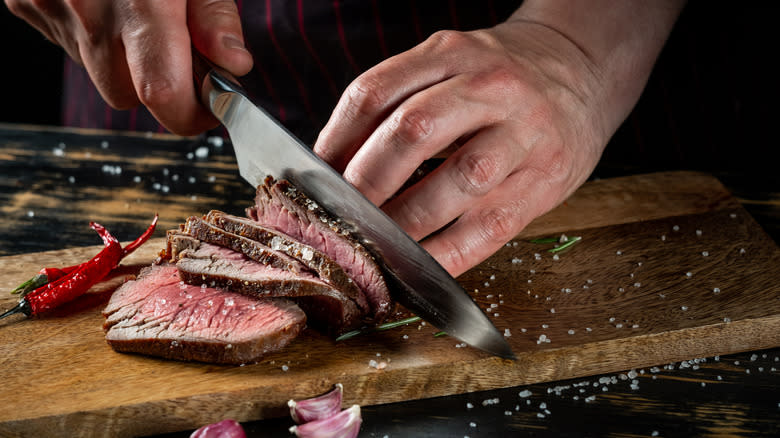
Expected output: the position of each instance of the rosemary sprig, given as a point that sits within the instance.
(565, 242)
(570, 242)
(379, 328)
(546, 240)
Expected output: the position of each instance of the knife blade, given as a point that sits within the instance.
(264, 147)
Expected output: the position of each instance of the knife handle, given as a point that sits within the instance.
(212, 80)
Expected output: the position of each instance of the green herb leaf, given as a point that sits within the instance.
(570, 242)
(30, 285)
(546, 240)
(379, 328)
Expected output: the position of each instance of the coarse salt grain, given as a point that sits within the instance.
(525, 393)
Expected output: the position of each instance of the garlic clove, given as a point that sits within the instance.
(223, 429)
(345, 424)
(317, 408)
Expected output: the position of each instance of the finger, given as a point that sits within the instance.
(493, 221)
(157, 43)
(461, 181)
(215, 29)
(38, 18)
(424, 125)
(102, 53)
(373, 95)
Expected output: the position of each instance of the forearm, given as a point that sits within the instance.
(620, 39)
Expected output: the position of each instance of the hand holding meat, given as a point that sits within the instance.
(529, 106)
(139, 51)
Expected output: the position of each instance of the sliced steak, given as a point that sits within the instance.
(217, 266)
(253, 249)
(159, 315)
(324, 266)
(282, 207)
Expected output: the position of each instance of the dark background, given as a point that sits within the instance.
(710, 104)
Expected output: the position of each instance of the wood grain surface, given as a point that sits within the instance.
(670, 267)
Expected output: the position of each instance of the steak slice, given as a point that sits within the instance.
(217, 266)
(282, 207)
(324, 266)
(253, 249)
(159, 315)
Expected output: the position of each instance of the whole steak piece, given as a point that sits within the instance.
(280, 206)
(159, 315)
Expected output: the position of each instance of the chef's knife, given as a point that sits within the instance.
(264, 147)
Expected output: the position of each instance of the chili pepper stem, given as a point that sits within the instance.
(22, 307)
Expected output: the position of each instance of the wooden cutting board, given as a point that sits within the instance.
(670, 267)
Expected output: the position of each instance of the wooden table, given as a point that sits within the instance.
(53, 180)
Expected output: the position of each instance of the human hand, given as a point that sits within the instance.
(140, 51)
(529, 106)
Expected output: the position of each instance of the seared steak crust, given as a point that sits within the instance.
(325, 268)
(282, 207)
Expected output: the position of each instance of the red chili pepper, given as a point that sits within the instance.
(79, 281)
(69, 283)
(130, 247)
(48, 275)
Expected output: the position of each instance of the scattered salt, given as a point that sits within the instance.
(30, 213)
(285, 368)
(525, 393)
(469, 406)
(202, 152)
(683, 308)
(215, 140)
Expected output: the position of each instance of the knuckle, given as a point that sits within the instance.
(454, 254)
(156, 92)
(415, 219)
(364, 97)
(476, 172)
(445, 40)
(499, 223)
(412, 126)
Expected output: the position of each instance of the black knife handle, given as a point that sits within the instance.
(209, 77)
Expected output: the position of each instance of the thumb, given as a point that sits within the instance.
(215, 29)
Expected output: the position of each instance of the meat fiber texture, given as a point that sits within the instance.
(159, 315)
(282, 207)
(288, 256)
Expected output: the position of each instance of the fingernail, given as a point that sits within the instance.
(231, 41)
